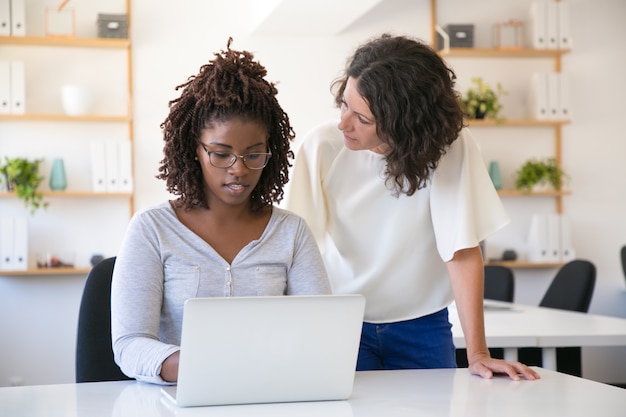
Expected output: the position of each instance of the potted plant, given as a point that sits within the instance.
(22, 176)
(481, 101)
(539, 173)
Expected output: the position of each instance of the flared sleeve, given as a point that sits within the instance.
(465, 206)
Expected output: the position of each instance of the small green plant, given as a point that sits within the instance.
(539, 172)
(481, 101)
(22, 176)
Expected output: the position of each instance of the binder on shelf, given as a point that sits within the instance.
(98, 167)
(5, 17)
(20, 243)
(6, 243)
(125, 166)
(538, 243)
(568, 253)
(18, 88)
(564, 29)
(537, 25)
(554, 93)
(5, 87)
(564, 97)
(554, 238)
(552, 21)
(18, 17)
(538, 100)
(111, 160)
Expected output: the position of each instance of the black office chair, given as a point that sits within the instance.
(500, 286)
(571, 289)
(623, 257)
(94, 353)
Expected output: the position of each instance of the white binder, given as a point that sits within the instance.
(98, 167)
(552, 21)
(564, 25)
(538, 243)
(538, 99)
(568, 253)
(6, 243)
(111, 160)
(18, 17)
(5, 17)
(564, 97)
(554, 238)
(5, 87)
(18, 88)
(536, 33)
(20, 243)
(554, 96)
(125, 166)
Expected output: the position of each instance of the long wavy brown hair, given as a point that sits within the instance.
(410, 92)
(232, 85)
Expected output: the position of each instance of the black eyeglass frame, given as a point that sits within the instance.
(233, 158)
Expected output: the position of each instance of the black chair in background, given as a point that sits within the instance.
(500, 286)
(571, 289)
(94, 353)
(623, 258)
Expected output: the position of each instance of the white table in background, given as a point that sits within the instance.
(510, 326)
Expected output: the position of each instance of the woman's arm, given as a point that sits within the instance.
(466, 272)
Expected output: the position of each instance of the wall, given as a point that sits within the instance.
(38, 315)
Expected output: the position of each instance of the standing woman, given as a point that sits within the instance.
(398, 198)
(226, 157)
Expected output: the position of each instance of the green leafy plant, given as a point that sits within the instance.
(22, 176)
(482, 101)
(540, 172)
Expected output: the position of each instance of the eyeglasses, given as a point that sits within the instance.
(227, 159)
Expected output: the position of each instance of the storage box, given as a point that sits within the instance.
(112, 26)
(461, 36)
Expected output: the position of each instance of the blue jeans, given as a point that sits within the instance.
(424, 342)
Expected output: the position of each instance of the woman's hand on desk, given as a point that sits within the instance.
(485, 366)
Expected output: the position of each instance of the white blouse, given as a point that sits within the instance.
(392, 249)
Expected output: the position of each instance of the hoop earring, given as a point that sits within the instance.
(195, 158)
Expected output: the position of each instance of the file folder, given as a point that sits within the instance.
(18, 88)
(125, 166)
(537, 30)
(18, 17)
(554, 93)
(6, 243)
(20, 243)
(564, 25)
(111, 160)
(5, 17)
(538, 240)
(554, 238)
(538, 100)
(98, 167)
(564, 97)
(552, 19)
(5, 87)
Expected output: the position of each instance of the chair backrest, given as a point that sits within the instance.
(499, 283)
(94, 353)
(572, 287)
(623, 257)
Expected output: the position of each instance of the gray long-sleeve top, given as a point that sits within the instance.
(161, 263)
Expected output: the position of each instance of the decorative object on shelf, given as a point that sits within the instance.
(76, 99)
(112, 26)
(55, 260)
(461, 36)
(494, 174)
(509, 34)
(482, 101)
(540, 174)
(58, 180)
(509, 255)
(22, 176)
(61, 22)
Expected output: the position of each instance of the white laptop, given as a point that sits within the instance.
(245, 350)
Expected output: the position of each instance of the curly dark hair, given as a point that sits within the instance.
(232, 85)
(410, 91)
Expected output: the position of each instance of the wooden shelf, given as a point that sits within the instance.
(503, 53)
(525, 264)
(71, 194)
(42, 117)
(524, 193)
(47, 271)
(516, 122)
(47, 41)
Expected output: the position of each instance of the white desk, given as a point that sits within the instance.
(433, 392)
(510, 326)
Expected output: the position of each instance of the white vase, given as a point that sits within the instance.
(77, 99)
